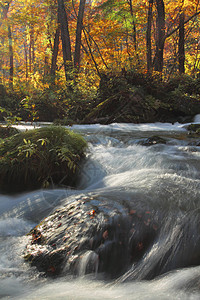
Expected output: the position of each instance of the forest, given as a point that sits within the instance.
(55, 55)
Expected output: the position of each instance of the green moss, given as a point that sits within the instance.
(40, 158)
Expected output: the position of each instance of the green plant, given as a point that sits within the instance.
(30, 108)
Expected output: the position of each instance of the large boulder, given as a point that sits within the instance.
(44, 157)
(91, 234)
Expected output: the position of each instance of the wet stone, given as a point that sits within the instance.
(111, 236)
(154, 140)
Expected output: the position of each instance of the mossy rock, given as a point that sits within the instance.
(194, 132)
(154, 140)
(44, 157)
(194, 128)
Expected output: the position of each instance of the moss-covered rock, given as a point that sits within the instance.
(40, 158)
(194, 134)
(154, 140)
(195, 128)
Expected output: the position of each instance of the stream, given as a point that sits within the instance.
(120, 166)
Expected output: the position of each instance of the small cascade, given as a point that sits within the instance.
(88, 263)
(197, 119)
(135, 217)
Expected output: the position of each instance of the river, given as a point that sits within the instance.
(118, 165)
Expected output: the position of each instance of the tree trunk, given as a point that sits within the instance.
(11, 57)
(46, 67)
(65, 37)
(160, 38)
(148, 37)
(2, 40)
(133, 24)
(79, 29)
(181, 44)
(30, 60)
(5, 8)
(55, 55)
(31, 50)
(26, 59)
(91, 54)
(130, 2)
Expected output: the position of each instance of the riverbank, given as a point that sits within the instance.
(126, 97)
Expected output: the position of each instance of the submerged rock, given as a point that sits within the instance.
(97, 234)
(154, 140)
(90, 235)
(177, 246)
(194, 129)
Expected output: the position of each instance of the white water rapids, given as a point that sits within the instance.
(164, 175)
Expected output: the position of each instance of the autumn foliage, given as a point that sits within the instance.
(70, 43)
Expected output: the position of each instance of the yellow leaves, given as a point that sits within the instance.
(28, 12)
(174, 7)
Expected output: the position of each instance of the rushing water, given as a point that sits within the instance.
(164, 176)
